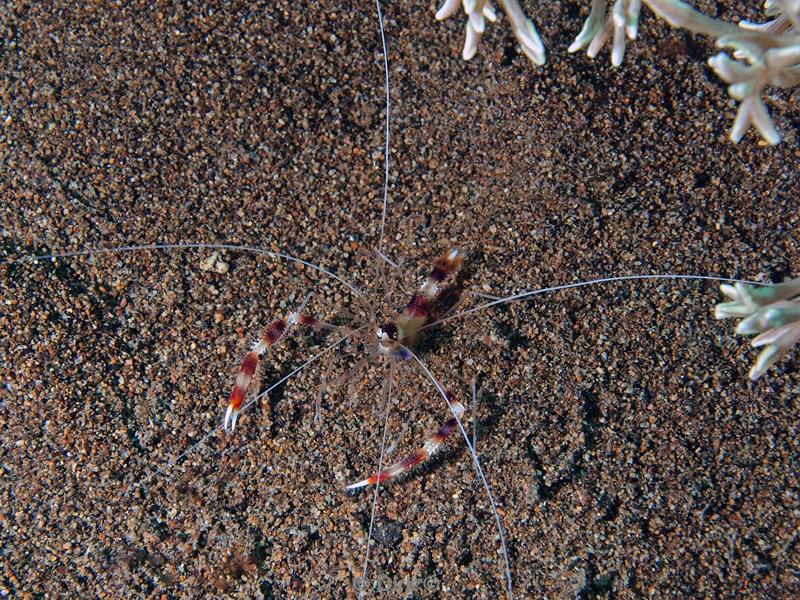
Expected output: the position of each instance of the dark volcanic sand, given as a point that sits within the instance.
(629, 454)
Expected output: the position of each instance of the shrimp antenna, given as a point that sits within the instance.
(478, 468)
(496, 300)
(382, 255)
(473, 386)
(388, 388)
(388, 121)
(190, 246)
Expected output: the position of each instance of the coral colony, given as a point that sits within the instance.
(764, 54)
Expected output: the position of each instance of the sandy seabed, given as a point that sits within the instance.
(628, 452)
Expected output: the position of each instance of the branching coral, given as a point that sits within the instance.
(623, 22)
(764, 55)
(772, 312)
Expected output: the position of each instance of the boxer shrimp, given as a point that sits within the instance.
(124, 362)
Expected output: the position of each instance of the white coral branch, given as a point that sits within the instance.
(477, 11)
(784, 9)
(773, 312)
(480, 11)
(524, 31)
(779, 67)
(622, 22)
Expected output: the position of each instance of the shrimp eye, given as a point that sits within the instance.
(390, 331)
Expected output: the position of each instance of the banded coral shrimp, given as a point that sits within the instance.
(616, 424)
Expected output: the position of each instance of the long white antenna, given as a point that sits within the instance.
(388, 120)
